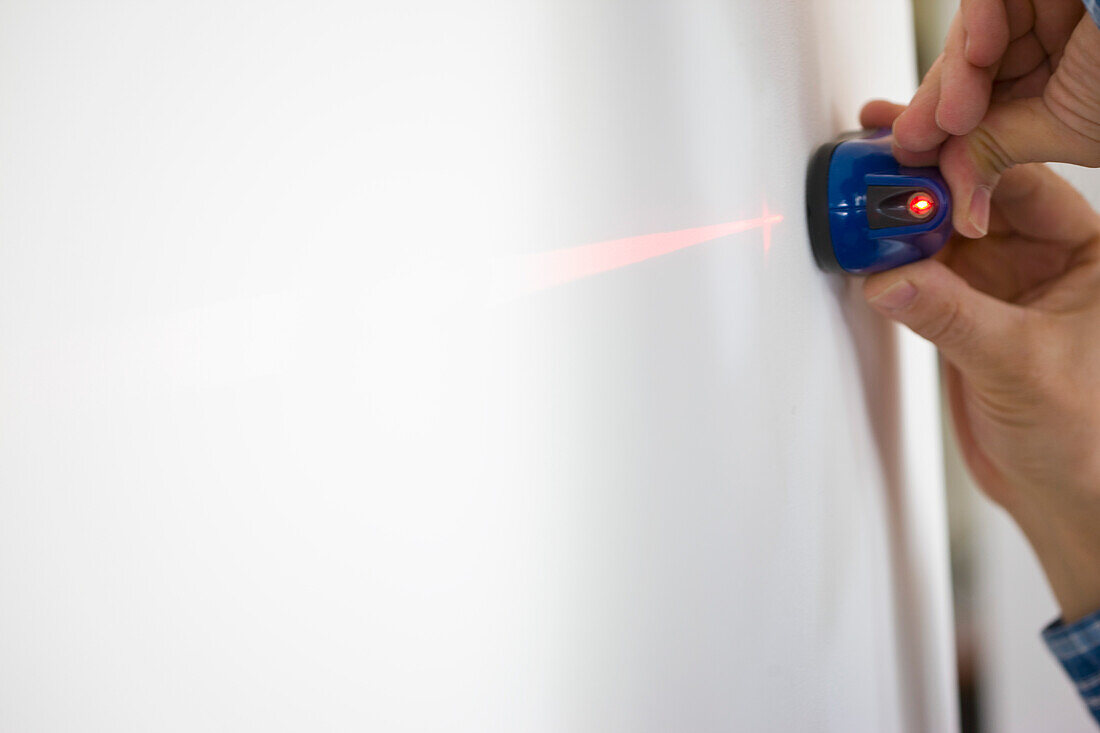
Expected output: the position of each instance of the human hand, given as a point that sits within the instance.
(1017, 82)
(1016, 317)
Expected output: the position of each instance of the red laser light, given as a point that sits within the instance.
(562, 266)
(921, 205)
(529, 273)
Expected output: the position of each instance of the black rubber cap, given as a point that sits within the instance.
(817, 207)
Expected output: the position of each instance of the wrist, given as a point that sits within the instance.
(1066, 541)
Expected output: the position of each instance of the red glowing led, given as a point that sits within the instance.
(921, 205)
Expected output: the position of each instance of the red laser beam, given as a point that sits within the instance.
(557, 267)
(769, 222)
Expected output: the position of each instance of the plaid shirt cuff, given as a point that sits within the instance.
(1077, 647)
(1093, 7)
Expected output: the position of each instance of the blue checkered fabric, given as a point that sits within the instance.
(1077, 647)
(1094, 9)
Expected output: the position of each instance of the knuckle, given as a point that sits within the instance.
(946, 325)
(1073, 97)
(988, 154)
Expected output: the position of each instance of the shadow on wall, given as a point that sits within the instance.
(874, 341)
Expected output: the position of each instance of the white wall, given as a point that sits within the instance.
(287, 442)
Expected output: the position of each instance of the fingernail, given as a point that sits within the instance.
(979, 208)
(966, 44)
(895, 297)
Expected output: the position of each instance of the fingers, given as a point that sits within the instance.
(915, 160)
(1013, 132)
(985, 31)
(1021, 17)
(879, 113)
(971, 329)
(1037, 116)
(1055, 24)
(1029, 85)
(956, 91)
(964, 87)
(1023, 56)
(915, 130)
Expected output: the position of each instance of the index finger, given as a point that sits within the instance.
(879, 113)
(985, 23)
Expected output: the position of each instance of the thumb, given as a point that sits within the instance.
(1014, 132)
(972, 330)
